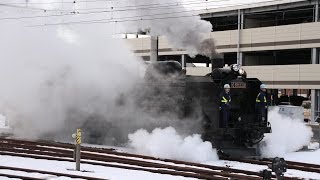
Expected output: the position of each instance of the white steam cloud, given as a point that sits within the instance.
(56, 78)
(288, 135)
(46, 80)
(67, 34)
(182, 27)
(167, 143)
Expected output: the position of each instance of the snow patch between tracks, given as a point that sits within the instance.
(167, 143)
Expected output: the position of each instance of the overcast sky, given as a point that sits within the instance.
(58, 11)
(85, 3)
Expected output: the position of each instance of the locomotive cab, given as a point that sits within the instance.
(245, 127)
(243, 93)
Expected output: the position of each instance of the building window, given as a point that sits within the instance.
(279, 17)
(281, 57)
(223, 23)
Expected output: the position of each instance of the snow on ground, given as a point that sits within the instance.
(62, 167)
(115, 173)
(257, 168)
(5, 178)
(312, 157)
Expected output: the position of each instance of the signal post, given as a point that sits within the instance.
(78, 140)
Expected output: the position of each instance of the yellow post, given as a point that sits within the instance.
(78, 136)
(78, 149)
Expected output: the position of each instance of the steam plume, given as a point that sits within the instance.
(288, 135)
(167, 143)
(55, 79)
(186, 32)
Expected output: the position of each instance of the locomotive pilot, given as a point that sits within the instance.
(261, 103)
(225, 100)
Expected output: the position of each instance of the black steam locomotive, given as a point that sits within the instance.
(168, 90)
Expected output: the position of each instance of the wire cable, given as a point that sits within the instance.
(94, 12)
(112, 21)
(59, 2)
(97, 12)
(121, 19)
(133, 7)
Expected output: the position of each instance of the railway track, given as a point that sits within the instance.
(112, 158)
(290, 164)
(45, 174)
(64, 152)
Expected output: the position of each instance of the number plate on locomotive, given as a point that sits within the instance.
(239, 85)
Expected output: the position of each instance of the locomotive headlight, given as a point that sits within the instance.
(239, 119)
(241, 71)
(235, 67)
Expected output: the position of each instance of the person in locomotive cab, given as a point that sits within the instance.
(225, 100)
(261, 103)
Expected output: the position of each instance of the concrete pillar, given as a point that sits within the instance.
(242, 20)
(183, 61)
(240, 26)
(241, 58)
(315, 98)
(314, 56)
(239, 32)
(316, 12)
(153, 49)
(315, 105)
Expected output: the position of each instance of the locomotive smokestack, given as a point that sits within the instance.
(217, 61)
(208, 48)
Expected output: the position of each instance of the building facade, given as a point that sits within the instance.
(275, 41)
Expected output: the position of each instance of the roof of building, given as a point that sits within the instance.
(247, 5)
